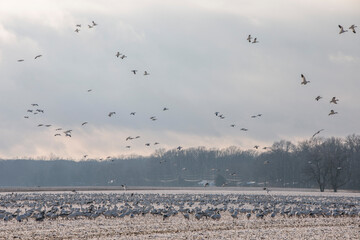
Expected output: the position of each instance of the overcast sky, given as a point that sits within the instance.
(199, 63)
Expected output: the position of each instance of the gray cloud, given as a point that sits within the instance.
(199, 63)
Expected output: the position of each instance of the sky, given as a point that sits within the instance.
(199, 62)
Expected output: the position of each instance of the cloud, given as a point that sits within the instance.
(199, 62)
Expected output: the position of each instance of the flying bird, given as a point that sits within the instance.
(334, 100)
(318, 98)
(123, 56)
(57, 134)
(304, 82)
(244, 129)
(134, 71)
(20, 60)
(342, 29)
(84, 123)
(256, 146)
(89, 90)
(77, 30)
(111, 113)
(332, 112)
(34, 104)
(317, 133)
(146, 73)
(147, 144)
(255, 40)
(249, 38)
(118, 54)
(352, 27)
(37, 56)
(232, 125)
(26, 116)
(133, 113)
(90, 26)
(216, 113)
(165, 109)
(94, 24)
(179, 148)
(156, 143)
(78, 25)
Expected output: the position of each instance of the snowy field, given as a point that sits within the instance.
(179, 214)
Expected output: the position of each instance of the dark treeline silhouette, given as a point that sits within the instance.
(319, 162)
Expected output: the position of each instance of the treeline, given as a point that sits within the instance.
(319, 162)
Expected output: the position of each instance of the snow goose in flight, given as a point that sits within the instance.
(129, 138)
(216, 113)
(94, 24)
(133, 113)
(20, 60)
(123, 56)
(342, 29)
(317, 133)
(256, 146)
(29, 110)
(57, 134)
(40, 125)
(84, 123)
(244, 129)
(249, 38)
(58, 129)
(37, 56)
(165, 109)
(90, 26)
(26, 116)
(77, 30)
(34, 104)
(304, 82)
(78, 25)
(232, 125)
(179, 148)
(111, 113)
(89, 90)
(147, 144)
(334, 100)
(332, 112)
(134, 71)
(146, 73)
(318, 98)
(255, 40)
(48, 125)
(352, 27)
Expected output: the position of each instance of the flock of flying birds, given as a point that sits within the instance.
(250, 39)
(68, 132)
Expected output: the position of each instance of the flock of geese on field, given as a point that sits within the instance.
(22, 207)
(68, 132)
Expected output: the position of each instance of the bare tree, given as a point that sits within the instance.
(317, 167)
(336, 157)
